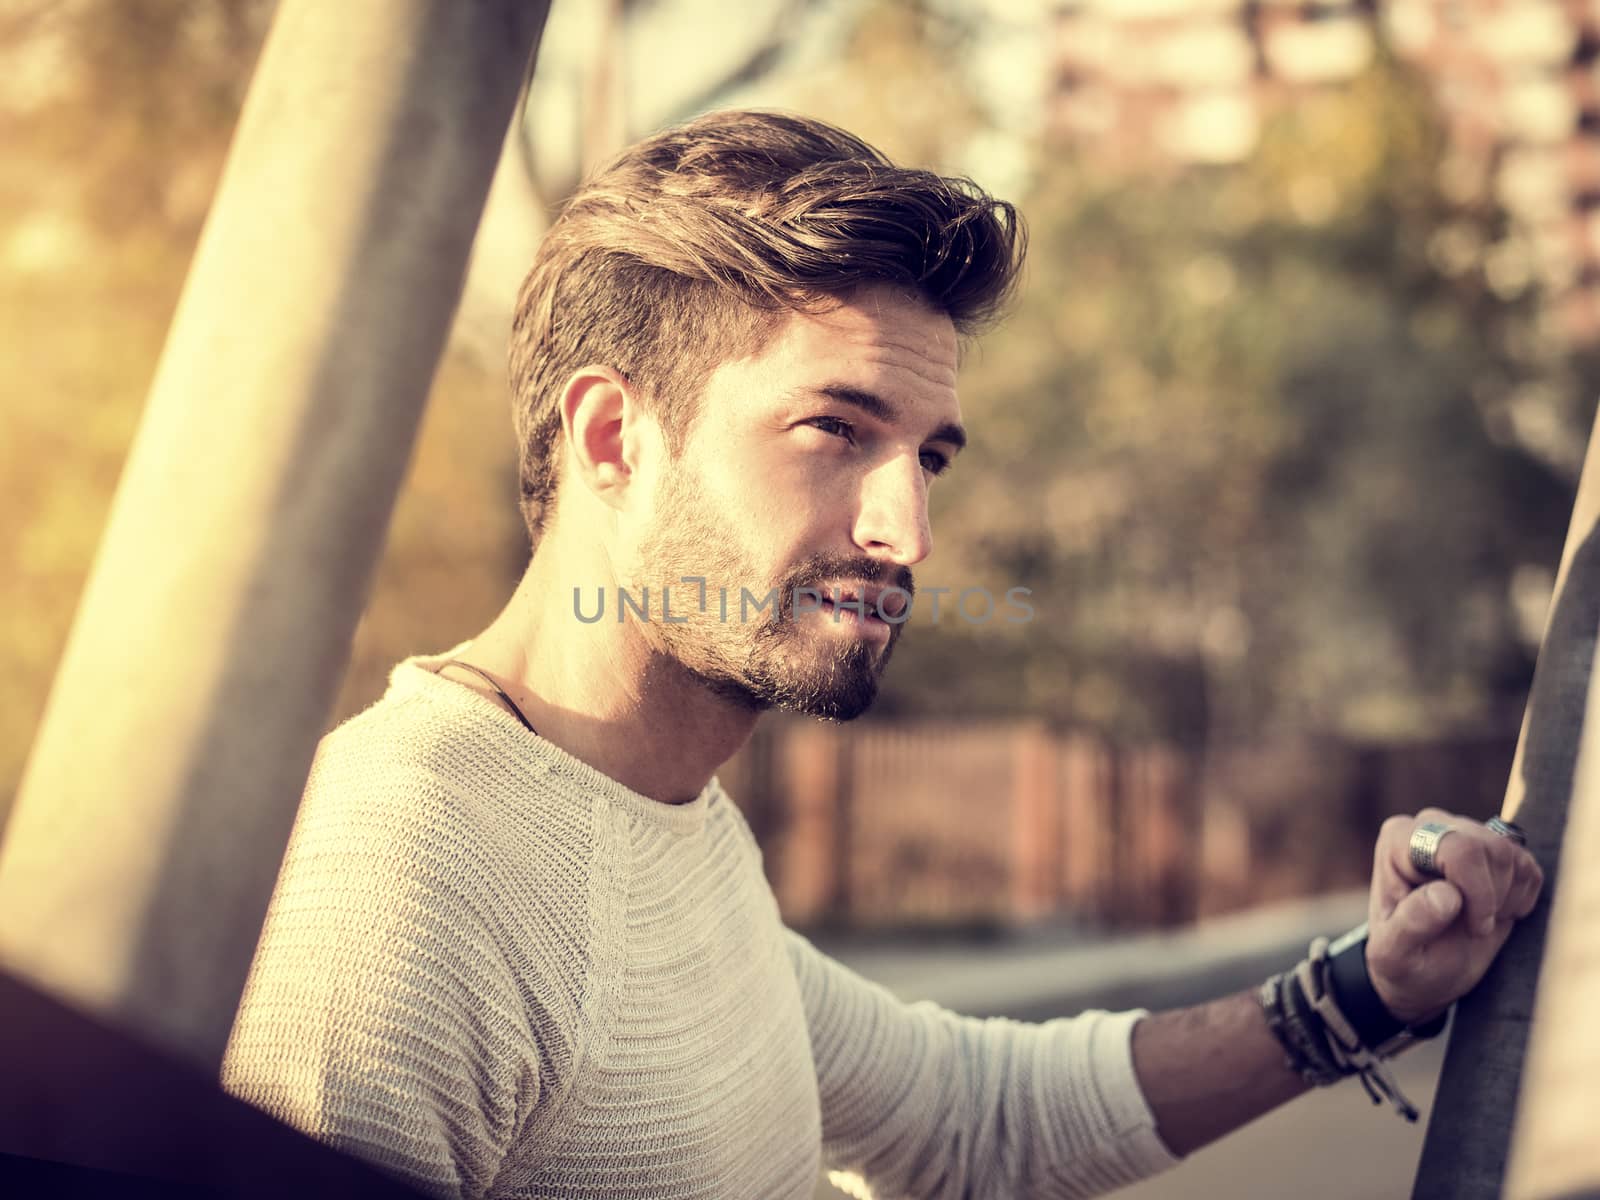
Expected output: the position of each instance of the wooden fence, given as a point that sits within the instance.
(1005, 824)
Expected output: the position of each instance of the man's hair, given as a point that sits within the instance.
(687, 250)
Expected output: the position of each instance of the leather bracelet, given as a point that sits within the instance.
(1307, 1028)
(1324, 1040)
(1270, 997)
(1298, 1031)
(1351, 984)
(1346, 1046)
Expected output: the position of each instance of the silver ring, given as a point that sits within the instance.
(1507, 829)
(1425, 839)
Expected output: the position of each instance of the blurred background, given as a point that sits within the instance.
(1283, 432)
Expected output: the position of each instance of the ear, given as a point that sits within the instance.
(608, 433)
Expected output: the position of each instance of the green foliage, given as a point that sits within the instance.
(1247, 436)
(1237, 437)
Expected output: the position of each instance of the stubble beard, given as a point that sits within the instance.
(769, 660)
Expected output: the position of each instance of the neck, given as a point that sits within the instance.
(602, 694)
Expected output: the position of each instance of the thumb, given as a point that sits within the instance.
(1424, 914)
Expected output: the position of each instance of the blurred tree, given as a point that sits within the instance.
(1274, 446)
(1246, 437)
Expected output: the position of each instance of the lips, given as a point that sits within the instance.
(872, 596)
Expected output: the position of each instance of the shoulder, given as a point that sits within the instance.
(445, 795)
(420, 983)
(428, 838)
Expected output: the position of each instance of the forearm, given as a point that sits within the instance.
(1207, 1070)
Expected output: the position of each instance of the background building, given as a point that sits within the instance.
(1191, 82)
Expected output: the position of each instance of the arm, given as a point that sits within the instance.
(377, 1017)
(921, 1101)
(1208, 1070)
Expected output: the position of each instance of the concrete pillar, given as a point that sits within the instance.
(216, 623)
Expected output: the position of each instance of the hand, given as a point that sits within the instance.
(1430, 940)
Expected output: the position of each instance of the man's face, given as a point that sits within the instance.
(807, 466)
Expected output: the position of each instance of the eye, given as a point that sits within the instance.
(836, 427)
(933, 461)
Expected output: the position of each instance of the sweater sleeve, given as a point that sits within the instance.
(922, 1102)
(378, 1016)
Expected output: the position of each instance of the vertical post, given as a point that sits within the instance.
(1469, 1133)
(1553, 1153)
(807, 772)
(216, 623)
(1034, 840)
(846, 847)
(1085, 841)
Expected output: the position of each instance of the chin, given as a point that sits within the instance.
(838, 707)
(840, 701)
(839, 684)
(841, 691)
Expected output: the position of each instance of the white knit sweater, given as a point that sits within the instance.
(492, 970)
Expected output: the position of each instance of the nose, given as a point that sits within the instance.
(892, 519)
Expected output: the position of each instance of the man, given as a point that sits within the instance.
(521, 943)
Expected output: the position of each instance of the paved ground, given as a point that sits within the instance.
(1330, 1145)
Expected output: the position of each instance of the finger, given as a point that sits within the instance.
(1394, 841)
(1513, 904)
(1393, 875)
(1498, 879)
(1419, 920)
(1396, 876)
(1474, 866)
(1480, 863)
(1527, 888)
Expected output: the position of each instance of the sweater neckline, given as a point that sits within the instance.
(417, 674)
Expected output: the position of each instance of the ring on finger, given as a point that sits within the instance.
(1507, 829)
(1425, 839)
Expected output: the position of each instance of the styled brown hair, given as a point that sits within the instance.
(687, 249)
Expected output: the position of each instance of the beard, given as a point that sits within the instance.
(756, 658)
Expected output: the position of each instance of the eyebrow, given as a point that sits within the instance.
(875, 405)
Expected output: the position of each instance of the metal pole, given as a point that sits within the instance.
(216, 623)
(1469, 1132)
(1554, 1152)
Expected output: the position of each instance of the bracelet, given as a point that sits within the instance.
(1373, 1023)
(1295, 1026)
(1271, 999)
(1347, 1046)
(1332, 1023)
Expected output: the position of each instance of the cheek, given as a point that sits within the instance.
(797, 518)
(819, 485)
(792, 505)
